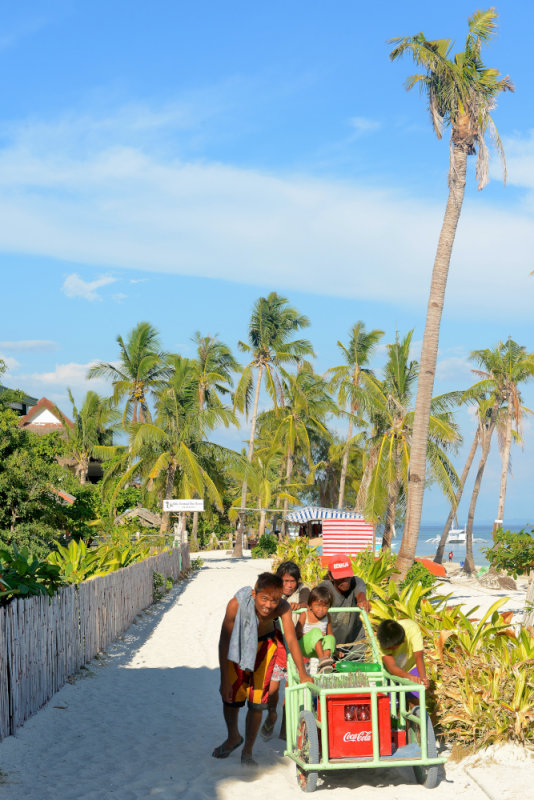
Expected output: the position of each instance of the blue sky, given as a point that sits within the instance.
(173, 161)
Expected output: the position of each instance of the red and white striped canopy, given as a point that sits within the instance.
(348, 536)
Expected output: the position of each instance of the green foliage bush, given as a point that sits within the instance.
(23, 575)
(418, 573)
(266, 547)
(511, 552)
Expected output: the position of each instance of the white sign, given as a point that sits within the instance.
(183, 505)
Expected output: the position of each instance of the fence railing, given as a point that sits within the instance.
(43, 640)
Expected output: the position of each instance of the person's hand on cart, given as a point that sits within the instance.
(417, 679)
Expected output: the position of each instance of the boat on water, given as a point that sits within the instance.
(457, 536)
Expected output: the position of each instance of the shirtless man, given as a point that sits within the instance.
(240, 685)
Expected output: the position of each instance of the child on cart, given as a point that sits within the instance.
(314, 629)
(248, 646)
(401, 647)
(296, 593)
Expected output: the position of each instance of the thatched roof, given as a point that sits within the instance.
(147, 518)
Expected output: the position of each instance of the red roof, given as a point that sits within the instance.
(48, 427)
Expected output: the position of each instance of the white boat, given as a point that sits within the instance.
(456, 536)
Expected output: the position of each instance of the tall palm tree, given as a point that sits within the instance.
(501, 370)
(488, 411)
(461, 93)
(272, 324)
(213, 367)
(347, 380)
(306, 406)
(141, 369)
(507, 366)
(92, 426)
(438, 558)
(391, 441)
(173, 447)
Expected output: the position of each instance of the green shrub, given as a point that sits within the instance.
(511, 552)
(266, 546)
(23, 575)
(419, 574)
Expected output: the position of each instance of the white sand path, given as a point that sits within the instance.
(144, 721)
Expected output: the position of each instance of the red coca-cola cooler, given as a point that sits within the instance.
(350, 733)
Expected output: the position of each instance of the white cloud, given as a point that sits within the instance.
(29, 345)
(72, 374)
(131, 207)
(11, 363)
(457, 368)
(74, 286)
(364, 124)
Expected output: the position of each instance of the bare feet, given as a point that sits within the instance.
(248, 761)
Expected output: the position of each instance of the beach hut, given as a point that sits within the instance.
(342, 531)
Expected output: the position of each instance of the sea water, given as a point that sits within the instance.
(482, 538)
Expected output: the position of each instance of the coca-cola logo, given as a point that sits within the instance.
(361, 736)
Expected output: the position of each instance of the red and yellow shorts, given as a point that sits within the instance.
(254, 686)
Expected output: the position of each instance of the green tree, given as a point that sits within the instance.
(461, 92)
(173, 448)
(213, 369)
(503, 370)
(31, 513)
(391, 442)
(142, 368)
(92, 425)
(273, 323)
(306, 406)
(347, 380)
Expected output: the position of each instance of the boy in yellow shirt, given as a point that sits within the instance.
(401, 647)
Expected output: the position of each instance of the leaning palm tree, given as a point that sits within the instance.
(504, 369)
(307, 404)
(92, 426)
(488, 411)
(272, 325)
(173, 447)
(141, 369)
(347, 380)
(212, 367)
(391, 441)
(461, 93)
(438, 558)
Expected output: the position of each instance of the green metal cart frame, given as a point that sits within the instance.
(307, 735)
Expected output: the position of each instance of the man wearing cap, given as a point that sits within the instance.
(346, 590)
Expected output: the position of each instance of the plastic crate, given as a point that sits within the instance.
(350, 732)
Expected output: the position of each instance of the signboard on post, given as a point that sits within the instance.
(183, 505)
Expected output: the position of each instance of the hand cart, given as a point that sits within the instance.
(358, 719)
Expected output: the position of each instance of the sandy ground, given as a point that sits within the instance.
(141, 722)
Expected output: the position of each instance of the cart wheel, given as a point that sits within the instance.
(427, 776)
(308, 750)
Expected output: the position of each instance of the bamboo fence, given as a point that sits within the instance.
(45, 639)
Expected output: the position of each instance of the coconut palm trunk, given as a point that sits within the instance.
(193, 542)
(528, 621)
(438, 558)
(238, 548)
(507, 444)
(363, 490)
(485, 441)
(261, 527)
(391, 511)
(429, 352)
(345, 464)
(289, 470)
(165, 516)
